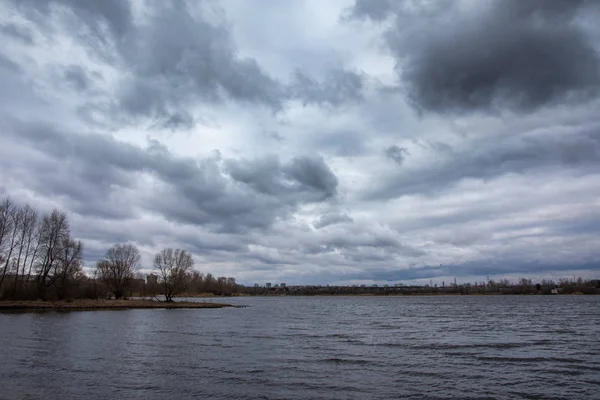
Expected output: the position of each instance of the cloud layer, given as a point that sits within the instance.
(390, 141)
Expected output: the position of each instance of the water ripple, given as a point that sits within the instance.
(311, 348)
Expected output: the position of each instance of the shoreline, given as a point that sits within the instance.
(94, 305)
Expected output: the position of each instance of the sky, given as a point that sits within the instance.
(312, 142)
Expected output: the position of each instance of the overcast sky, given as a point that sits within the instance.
(375, 141)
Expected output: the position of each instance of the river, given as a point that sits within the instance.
(445, 347)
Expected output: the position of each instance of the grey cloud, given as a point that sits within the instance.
(331, 219)
(117, 14)
(261, 175)
(309, 177)
(360, 240)
(9, 65)
(311, 174)
(77, 76)
(488, 159)
(376, 10)
(95, 15)
(343, 142)
(172, 60)
(440, 146)
(169, 65)
(472, 269)
(240, 195)
(396, 154)
(435, 145)
(339, 87)
(178, 120)
(466, 60)
(175, 55)
(178, 57)
(19, 32)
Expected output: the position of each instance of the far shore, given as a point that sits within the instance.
(91, 305)
(211, 295)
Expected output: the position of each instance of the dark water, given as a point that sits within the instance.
(311, 348)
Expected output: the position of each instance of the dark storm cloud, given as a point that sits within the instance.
(516, 55)
(488, 159)
(244, 194)
(396, 154)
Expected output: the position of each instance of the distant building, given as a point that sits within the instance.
(283, 284)
(268, 285)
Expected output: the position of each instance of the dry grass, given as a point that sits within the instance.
(82, 305)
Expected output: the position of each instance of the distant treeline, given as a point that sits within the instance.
(523, 286)
(39, 259)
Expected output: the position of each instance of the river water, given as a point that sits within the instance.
(469, 347)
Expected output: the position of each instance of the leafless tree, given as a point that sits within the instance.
(9, 225)
(174, 267)
(118, 268)
(68, 269)
(27, 244)
(54, 234)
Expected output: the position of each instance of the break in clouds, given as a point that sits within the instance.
(312, 142)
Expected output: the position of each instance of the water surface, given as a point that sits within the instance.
(450, 347)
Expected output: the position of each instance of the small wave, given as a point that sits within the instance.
(338, 335)
(449, 346)
(562, 372)
(390, 345)
(528, 359)
(350, 361)
(585, 367)
(256, 371)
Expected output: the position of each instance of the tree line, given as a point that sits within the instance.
(503, 286)
(39, 259)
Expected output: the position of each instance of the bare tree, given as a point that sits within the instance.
(174, 267)
(118, 268)
(6, 207)
(9, 225)
(26, 245)
(54, 233)
(68, 269)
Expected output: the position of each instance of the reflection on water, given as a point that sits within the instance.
(508, 347)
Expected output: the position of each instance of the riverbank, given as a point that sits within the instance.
(83, 305)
